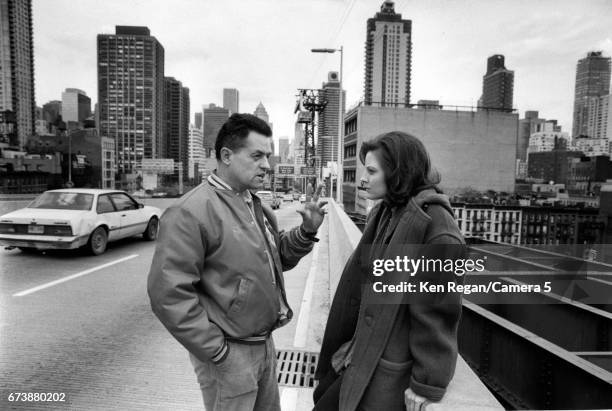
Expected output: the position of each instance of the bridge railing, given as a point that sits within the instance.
(465, 391)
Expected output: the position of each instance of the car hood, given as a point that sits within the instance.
(42, 215)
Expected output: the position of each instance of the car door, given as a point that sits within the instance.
(109, 215)
(132, 221)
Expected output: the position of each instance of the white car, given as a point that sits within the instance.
(303, 198)
(269, 198)
(288, 197)
(77, 217)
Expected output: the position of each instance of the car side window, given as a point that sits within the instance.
(105, 205)
(123, 202)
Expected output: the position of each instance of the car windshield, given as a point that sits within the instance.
(63, 201)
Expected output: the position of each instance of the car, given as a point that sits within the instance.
(269, 198)
(296, 196)
(74, 218)
(288, 197)
(303, 198)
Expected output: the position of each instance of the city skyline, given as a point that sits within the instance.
(268, 62)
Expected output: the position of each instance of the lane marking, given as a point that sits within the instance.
(301, 328)
(72, 277)
(289, 399)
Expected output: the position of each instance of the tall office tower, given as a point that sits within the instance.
(527, 126)
(176, 103)
(388, 58)
(592, 81)
(230, 100)
(131, 94)
(213, 118)
(76, 106)
(298, 144)
(260, 111)
(327, 144)
(283, 149)
(196, 152)
(198, 121)
(497, 85)
(599, 121)
(17, 71)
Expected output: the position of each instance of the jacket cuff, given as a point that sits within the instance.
(221, 353)
(430, 392)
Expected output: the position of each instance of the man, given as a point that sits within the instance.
(216, 278)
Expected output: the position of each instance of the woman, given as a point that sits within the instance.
(380, 350)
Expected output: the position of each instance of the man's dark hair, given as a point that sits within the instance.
(406, 165)
(236, 129)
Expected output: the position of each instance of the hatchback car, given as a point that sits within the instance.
(288, 197)
(269, 198)
(73, 218)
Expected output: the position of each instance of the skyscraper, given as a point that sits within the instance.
(76, 106)
(131, 94)
(599, 124)
(592, 81)
(196, 153)
(212, 119)
(198, 120)
(327, 145)
(17, 70)
(283, 149)
(177, 123)
(388, 58)
(231, 100)
(260, 111)
(497, 85)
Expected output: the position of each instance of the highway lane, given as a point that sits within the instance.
(94, 337)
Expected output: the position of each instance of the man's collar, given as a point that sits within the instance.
(219, 183)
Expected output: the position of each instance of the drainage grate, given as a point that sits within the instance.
(296, 368)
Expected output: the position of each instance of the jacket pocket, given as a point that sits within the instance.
(386, 388)
(241, 296)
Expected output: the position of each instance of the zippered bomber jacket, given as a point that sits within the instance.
(211, 277)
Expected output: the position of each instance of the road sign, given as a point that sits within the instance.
(282, 169)
(308, 171)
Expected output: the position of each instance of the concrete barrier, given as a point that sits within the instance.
(465, 392)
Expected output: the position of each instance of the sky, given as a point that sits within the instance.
(262, 48)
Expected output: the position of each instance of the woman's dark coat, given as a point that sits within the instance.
(400, 341)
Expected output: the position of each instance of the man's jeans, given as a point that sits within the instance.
(244, 381)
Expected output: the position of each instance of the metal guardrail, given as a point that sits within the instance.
(526, 370)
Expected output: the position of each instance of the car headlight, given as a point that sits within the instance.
(7, 228)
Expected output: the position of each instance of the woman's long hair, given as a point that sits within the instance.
(406, 165)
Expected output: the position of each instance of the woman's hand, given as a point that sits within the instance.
(414, 402)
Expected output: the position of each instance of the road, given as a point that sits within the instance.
(94, 338)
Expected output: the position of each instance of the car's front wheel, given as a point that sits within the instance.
(150, 233)
(98, 240)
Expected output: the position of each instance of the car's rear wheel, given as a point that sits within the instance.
(150, 233)
(98, 240)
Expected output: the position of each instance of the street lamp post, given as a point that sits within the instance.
(339, 172)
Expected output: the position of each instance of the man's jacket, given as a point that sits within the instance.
(210, 276)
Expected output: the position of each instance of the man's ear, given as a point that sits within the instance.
(226, 156)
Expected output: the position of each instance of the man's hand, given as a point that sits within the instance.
(414, 402)
(313, 213)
